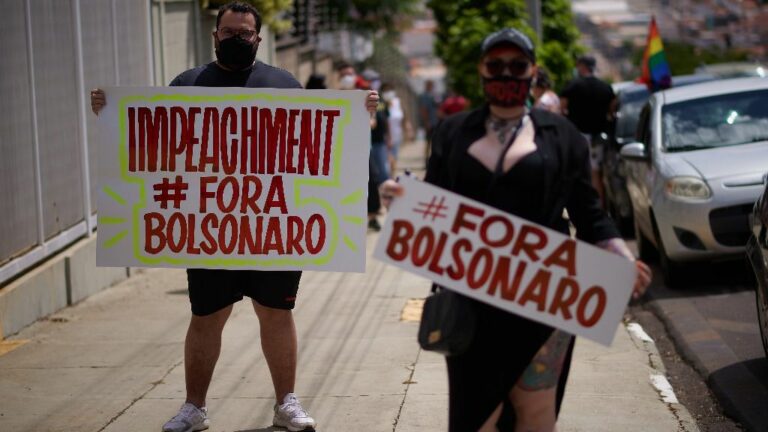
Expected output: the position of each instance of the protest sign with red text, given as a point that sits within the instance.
(506, 261)
(233, 178)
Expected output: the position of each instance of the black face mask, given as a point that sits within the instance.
(236, 53)
(506, 91)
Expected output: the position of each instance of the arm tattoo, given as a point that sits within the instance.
(544, 370)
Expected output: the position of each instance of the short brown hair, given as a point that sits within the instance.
(239, 7)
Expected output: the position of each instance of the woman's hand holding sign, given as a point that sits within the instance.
(389, 190)
(644, 274)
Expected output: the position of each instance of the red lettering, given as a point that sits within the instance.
(250, 195)
(507, 227)
(397, 248)
(276, 196)
(234, 195)
(295, 233)
(178, 140)
(461, 222)
(474, 281)
(192, 248)
(228, 234)
(530, 248)
(562, 302)
(422, 246)
(434, 265)
(204, 194)
(564, 256)
(273, 240)
(176, 219)
(597, 292)
(292, 141)
(209, 147)
(248, 237)
(250, 139)
(330, 115)
(536, 291)
(132, 139)
(273, 134)
(144, 115)
(209, 246)
(457, 272)
(192, 140)
(315, 247)
(228, 159)
(152, 231)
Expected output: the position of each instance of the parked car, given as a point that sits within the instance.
(757, 251)
(697, 171)
(630, 99)
(734, 70)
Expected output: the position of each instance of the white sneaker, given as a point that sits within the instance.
(189, 419)
(292, 416)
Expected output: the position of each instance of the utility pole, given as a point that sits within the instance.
(534, 11)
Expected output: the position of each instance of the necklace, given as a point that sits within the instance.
(503, 127)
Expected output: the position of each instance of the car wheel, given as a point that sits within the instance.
(624, 224)
(762, 313)
(645, 249)
(675, 274)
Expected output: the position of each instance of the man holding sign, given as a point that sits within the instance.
(493, 232)
(213, 292)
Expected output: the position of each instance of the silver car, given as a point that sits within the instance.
(697, 170)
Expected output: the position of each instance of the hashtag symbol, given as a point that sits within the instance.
(167, 191)
(432, 209)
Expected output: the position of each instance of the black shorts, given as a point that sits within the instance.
(213, 290)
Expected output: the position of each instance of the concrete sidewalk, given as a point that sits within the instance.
(114, 363)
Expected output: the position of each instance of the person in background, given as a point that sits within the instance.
(349, 80)
(452, 104)
(513, 159)
(397, 123)
(316, 81)
(428, 107)
(543, 96)
(588, 102)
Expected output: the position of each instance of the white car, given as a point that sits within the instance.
(697, 171)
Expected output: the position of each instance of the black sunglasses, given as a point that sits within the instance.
(515, 67)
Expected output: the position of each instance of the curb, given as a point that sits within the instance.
(645, 343)
(713, 359)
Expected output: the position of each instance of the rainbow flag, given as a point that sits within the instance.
(656, 74)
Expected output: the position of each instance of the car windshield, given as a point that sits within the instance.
(631, 102)
(717, 121)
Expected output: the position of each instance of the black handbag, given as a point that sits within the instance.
(447, 322)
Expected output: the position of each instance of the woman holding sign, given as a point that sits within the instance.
(533, 164)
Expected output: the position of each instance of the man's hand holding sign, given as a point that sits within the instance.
(507, 261)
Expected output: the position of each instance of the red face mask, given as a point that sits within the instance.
(506, 91)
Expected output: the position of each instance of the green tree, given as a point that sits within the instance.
(372, 15)
(462, 25)
(560, 47)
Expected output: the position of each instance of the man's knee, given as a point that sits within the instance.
(211, 323)
(269, 315)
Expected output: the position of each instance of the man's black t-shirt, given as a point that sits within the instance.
(589, 99)
(259, 76)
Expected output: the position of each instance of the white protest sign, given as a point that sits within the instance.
(233, 178)
(506, 261)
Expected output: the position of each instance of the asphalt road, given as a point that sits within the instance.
(712, 337)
